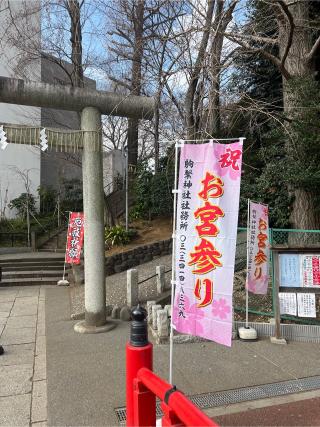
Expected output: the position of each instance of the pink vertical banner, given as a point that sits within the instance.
(258, 249)
(206, 232)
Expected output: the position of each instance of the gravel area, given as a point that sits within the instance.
(116, 286)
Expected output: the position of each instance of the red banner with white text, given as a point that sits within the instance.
(75, 237)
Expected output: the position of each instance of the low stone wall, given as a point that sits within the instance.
(141, 254)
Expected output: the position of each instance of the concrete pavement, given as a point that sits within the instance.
(86, 373)
(51, 375)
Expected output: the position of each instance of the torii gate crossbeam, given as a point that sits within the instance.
(91, 104)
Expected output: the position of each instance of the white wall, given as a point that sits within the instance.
(16, 158)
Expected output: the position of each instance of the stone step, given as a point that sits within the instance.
(45, 249)
(37, 262)
(30, 274)
(30, 281)
(31, 267)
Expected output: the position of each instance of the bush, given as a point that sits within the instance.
(48, 199)
(21, 203)
(118, 235)
(153, 191)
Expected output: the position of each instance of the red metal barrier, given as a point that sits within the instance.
(178, 409)
(143, 386)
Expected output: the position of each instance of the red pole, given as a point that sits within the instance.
(138, 355)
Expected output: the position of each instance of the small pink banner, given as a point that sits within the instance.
(75, 237)
(206, 232)
(258, 249)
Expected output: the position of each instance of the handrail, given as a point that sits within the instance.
(184, 409)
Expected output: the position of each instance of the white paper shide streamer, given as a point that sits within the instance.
(3, 138)
(43, 140)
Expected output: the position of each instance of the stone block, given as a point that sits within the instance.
(168, 309)
(149, 311)
(155, 308)
(125, 314)
(162, 323)
(161, 281)
(132, 287)
(115, 312)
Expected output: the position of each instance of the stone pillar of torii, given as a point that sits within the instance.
(91, 104)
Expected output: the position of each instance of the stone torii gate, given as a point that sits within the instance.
(91, 104)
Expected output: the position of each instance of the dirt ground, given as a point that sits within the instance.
(148, 232)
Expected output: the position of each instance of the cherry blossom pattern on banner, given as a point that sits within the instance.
(221, 309)
(193, 320)
(257, 287)
(229, 159)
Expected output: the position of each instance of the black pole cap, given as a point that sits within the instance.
(139, 327)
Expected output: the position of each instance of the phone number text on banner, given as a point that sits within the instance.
(206, 231)
(258, 249)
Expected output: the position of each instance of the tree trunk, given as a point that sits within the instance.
(133, 134)
(303, 215)
(156, 132)
(73, 8)
(191, 120)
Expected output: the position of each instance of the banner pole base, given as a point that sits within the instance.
(247, 334)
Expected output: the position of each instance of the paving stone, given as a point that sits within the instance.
(8, 291)
(29, 292)
(22, 322)
(18, 354)
(41, 329)
(6, 306)
(15, 379)
(15, 410)
(18, 336)
(39, 401)
(24, 308)
(1, 328)
(27, 300)
(7, 297)
(42, 293)
(40, 424)
(40, 345)
(40, 367)
(4, 314)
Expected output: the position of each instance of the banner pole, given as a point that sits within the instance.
(64, 282)
(173, 258)
(247, 291)
(65, 254)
